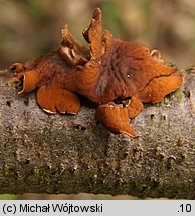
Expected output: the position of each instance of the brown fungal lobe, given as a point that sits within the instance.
(117, 75)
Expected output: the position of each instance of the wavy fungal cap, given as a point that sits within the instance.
(119, 76)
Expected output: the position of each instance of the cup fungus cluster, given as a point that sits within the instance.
(119, 76)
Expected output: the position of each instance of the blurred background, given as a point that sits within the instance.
(31, 27)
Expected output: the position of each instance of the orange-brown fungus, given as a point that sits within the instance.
(117, 75)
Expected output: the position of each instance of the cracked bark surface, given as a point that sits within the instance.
(71, 154)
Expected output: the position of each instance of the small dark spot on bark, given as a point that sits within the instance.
(126, 149)
(154, 182)
(152, 116)
(53, 173)
(26, 101)
(8, 103)
(187, 93)
(80, 127)
(88, 167)
(161, 156)
(137, 154)
(73, 169)
(27, 161)
(125, 154)
(144, 188)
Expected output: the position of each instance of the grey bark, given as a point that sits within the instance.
(70, 154)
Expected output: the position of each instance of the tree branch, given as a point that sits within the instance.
(71, 154)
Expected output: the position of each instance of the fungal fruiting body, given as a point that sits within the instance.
(119, 76)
